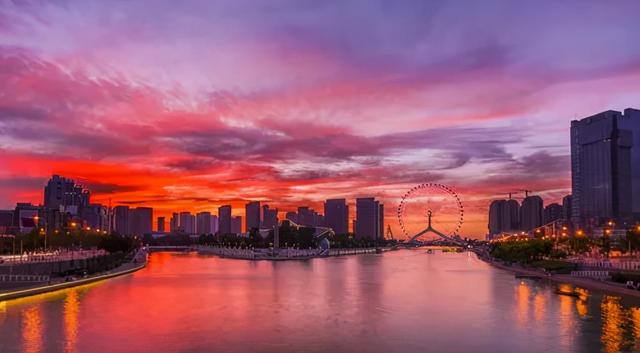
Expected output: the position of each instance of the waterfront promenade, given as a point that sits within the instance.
(138, 261)
(589, 283)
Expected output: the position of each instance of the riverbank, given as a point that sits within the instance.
(139, 262)
(607, 287)
(285, 254)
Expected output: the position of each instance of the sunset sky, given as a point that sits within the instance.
(188, 105)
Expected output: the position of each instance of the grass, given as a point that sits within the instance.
(557, 266)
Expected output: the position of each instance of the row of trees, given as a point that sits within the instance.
(77, 239)
(526, 251)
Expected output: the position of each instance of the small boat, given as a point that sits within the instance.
(568, 293)
(430, 251)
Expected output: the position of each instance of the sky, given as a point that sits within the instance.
(189, 105)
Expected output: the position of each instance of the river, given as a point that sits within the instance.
(402, 301)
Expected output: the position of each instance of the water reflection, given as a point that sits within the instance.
(71, 309)
(403, 301)
(32, 329)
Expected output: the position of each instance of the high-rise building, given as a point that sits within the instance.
(531, 213)
(236, 225)
(64, 194)
(141, 221)
(566, 208)
(214, 224)
(186, 223)
(495, 217)
(252, 215)
(161, 224)
(510, 216)
(601, 166)
(368, 218)
(224, 219)
(174, 223)
(203, 223)
(6, 220)
(95, 216)
(121, 220)
(380, 234)
(306, 216)
(552, 212)
(25, 217)
(269, 217)
(504, 216)
(630, 121)
(336, 213)
(292, 216)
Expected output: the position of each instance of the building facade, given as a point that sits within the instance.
(368, 222)
(252, 215)
(224, 219)
(336, 214)
(601, 167)
(531, 213)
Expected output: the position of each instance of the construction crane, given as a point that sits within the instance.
(526, 192)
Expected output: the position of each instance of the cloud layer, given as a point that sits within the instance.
(192, 105)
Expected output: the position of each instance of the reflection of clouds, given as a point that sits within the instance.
(32, 329)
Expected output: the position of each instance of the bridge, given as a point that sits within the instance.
(430, 229)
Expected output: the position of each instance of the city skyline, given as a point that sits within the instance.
(157, 107)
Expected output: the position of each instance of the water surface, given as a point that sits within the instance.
(404, 301)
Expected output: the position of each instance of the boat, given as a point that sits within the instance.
(430, 251)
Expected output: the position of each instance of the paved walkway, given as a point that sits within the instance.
(607, 287)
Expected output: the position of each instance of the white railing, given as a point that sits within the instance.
(52, 256)
(24, 278)
(591, 274)
(617, 265)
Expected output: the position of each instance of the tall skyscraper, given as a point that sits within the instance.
(601, 166)
(552, 212)
(531, 213)
(186, 223)
(495, 217)
(64, 194)
(566, 208)
(252, 215)
(224, 219)
(510, 216)
(630, 121)
(121, 220)
(336, 213)
(174, 223)
(141, 221)
(292, 216)
(95, 216)
(368, 218)
(161, 223)
(214, 224)
(236, 225)
(203, 223)
(269, 217)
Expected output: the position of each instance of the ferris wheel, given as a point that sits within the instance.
(430, 208)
